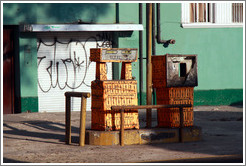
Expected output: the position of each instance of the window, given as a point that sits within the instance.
(204, 15)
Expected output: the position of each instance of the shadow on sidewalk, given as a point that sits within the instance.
(44, 131)
(6, 160)
(222, 133)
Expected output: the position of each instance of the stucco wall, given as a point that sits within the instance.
(219, 50)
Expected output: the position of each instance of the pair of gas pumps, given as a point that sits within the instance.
(174, 78)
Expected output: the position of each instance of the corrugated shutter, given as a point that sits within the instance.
(64, 65)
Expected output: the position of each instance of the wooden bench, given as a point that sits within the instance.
(122, 109)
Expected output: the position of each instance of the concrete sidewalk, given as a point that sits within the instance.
(39, 138)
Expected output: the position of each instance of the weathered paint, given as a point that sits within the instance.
(28, 73)
(218, 97)
(143, 136)
(29, 104)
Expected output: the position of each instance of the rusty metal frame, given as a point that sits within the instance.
(122, 110)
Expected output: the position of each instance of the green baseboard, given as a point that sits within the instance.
(218, 97)
(210, 97)
(29, 104)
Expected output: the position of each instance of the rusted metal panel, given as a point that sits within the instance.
(174, 70)
(110, 120)
(108, 93)
(175, 93)
(159, 74)
(181, 70)
(113, 93)
(118, 108)
(113, 54)
(170, 117)
(126, 71)
(101, 71)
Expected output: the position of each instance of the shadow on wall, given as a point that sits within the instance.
(52, 13)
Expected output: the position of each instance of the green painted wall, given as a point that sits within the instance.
(28, 72)
(55, 13)
(219, 50)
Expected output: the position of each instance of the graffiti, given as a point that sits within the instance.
(69, 65)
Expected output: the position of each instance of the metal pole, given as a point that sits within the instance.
(122, 127)
(149, 66)
(140, 55)
(82, 121)
(68, 120)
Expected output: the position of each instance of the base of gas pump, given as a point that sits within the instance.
(144, 136)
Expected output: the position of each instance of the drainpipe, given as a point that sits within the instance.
(149, 64)
(153, 45)
(153, 29)
(159, 41)
(140, 54)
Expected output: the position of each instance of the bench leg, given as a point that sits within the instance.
(68, 121)
(122, 117)
(82, 122)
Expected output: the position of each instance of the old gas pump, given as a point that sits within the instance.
(174, 77)
(106, 93)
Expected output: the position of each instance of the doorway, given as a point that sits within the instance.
(8, 70)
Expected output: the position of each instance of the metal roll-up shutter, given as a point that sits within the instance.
(64, 65)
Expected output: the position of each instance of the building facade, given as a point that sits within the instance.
(45, 55)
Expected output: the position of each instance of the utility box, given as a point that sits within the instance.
(108, 93)
(174, 77)
(173, 70)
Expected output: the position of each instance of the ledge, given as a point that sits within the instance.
(211, 25)
(79, 27)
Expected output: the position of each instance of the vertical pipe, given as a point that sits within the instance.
(122, 124)
(153, 43)
(82, 121)
(68, 120)
(153, 29)
(117, 19)
(140, 54)
(149, 65)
